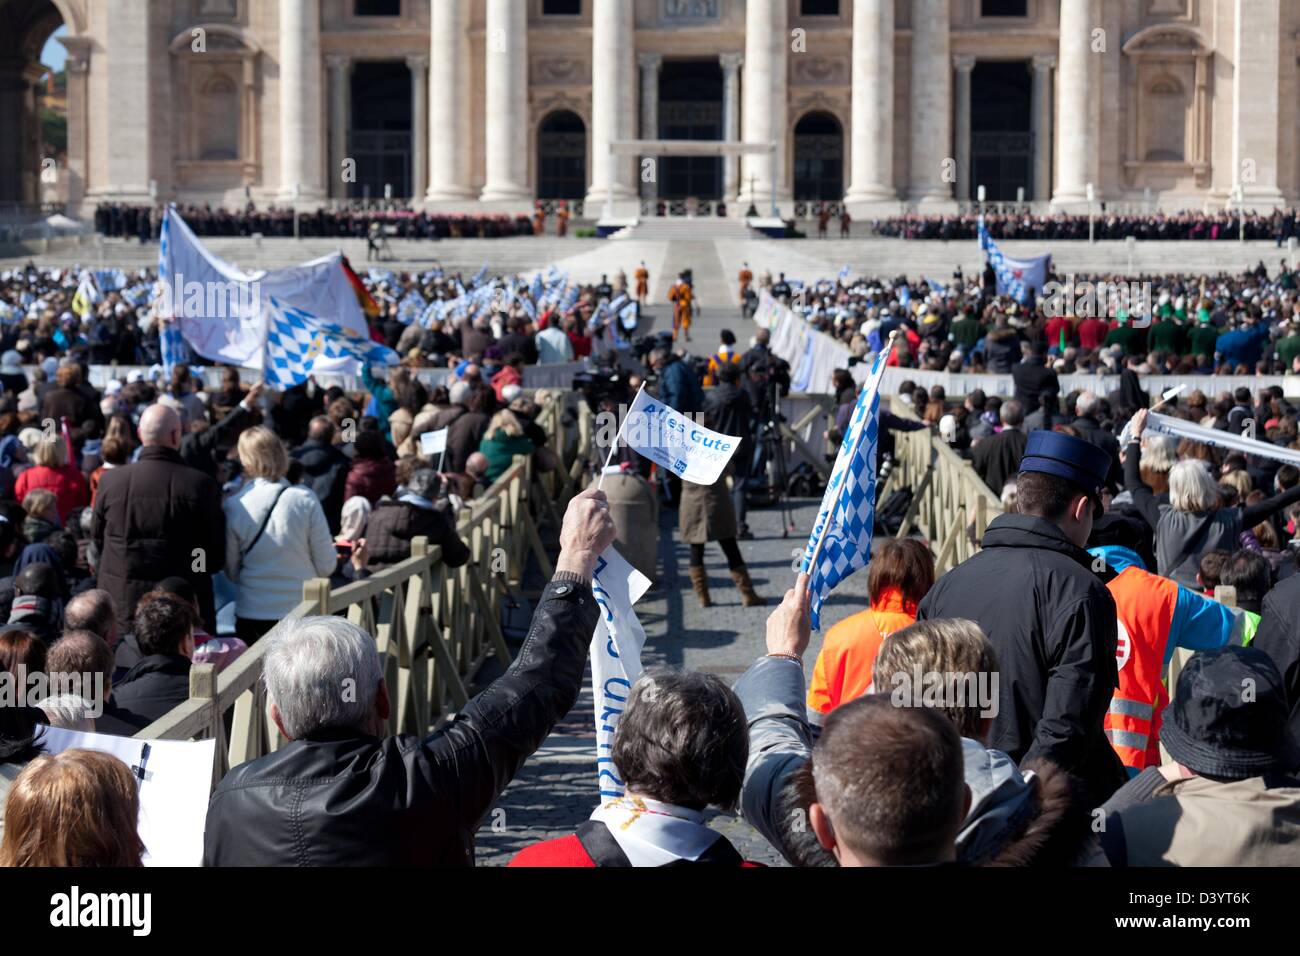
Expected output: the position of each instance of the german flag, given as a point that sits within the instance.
(368, 305)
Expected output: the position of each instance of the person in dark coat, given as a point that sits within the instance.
(160, 680)
(394, 523)
(1090, 429)
(466, 432)
(65, 400)
(325, 468)
(1034, 378)
(343, 791)
(678, 387)
(728, 409)
(157, 518)
(200, 449)
(1278, 636)
(997, 458)
(1056, 642)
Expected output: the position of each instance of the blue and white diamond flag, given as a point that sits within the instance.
(840, 542)
(296, 339)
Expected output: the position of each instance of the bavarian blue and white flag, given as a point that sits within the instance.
(840, 542)
(615, 656)
(295, 340)
(1016, 277)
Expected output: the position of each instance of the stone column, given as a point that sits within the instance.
(963, 65)
(931, 128)
(613, 100)
(340, 78)
(507, 103)
(448, 95)
(1076, 140)
(13, 119)
(1041, 120)
(731, 64)
(300, 100)
(78, 105)
(651, 64)
(126, 68)
(872, 170)
(1256, 104)
(764, 118)
(419, 66)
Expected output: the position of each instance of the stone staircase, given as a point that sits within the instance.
(664, 229)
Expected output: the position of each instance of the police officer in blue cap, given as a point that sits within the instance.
(1033, 591)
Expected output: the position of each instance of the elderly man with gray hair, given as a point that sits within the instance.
(343, 792)
(416, 513)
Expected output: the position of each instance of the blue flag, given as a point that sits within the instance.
(1016, 277)
(840, 542)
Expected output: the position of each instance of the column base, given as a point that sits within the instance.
(598, 195)
(934, 203)
(506, 194)
(436, 194)
(304, 197)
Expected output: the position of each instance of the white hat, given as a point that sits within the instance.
(948, 428)
(511, 392)
(135, 375)
(113, 387)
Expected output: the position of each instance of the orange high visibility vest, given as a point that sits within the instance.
(1145, 604)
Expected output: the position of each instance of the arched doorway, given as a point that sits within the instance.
(562, 156)
(29, 91)
(819, 158)
(381, 129)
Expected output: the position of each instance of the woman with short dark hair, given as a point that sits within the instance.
(679, 747)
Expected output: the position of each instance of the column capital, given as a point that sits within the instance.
(1044, 61)
(731, 62)
(963, 62)
(417, 61)
(338, 61)
(650, 61)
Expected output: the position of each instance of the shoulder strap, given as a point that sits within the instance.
(265, 521)
(601, 845)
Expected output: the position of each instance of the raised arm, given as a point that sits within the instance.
(480, 752)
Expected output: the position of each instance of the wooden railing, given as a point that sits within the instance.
(434, 626)
(951, 505)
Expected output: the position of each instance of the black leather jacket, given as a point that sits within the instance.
(340, 799)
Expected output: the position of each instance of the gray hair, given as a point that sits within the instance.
(425, 483)
(458, 394)
(1012, 413)
(1159, 452)
(1192, 487)
(1086, 403)
(321, 673)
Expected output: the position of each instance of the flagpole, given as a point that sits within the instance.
(600, 484)
(857, 442)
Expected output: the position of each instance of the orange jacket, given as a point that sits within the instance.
(1145, 605)
(843, 669)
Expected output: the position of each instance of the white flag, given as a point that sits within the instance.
(433, 443)
(615, 656)
(671, 439)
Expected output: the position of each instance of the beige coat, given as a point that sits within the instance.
(706, 512)
(1200, 822)
(634, 507)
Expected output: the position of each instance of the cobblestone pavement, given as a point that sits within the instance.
(556, 789)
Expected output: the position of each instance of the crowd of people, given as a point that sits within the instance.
(1278, 225)
(1174, 324)
(163, 521)
(121, 221)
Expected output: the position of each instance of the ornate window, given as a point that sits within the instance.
(218, 119)
(1166, 131)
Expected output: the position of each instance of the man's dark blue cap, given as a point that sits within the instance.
(1075, 460)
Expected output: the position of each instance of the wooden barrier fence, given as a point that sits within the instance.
(434, 626)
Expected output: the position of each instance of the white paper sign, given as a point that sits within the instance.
(671, 439)
(175, 779)
(433, 443)
(615, 656)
